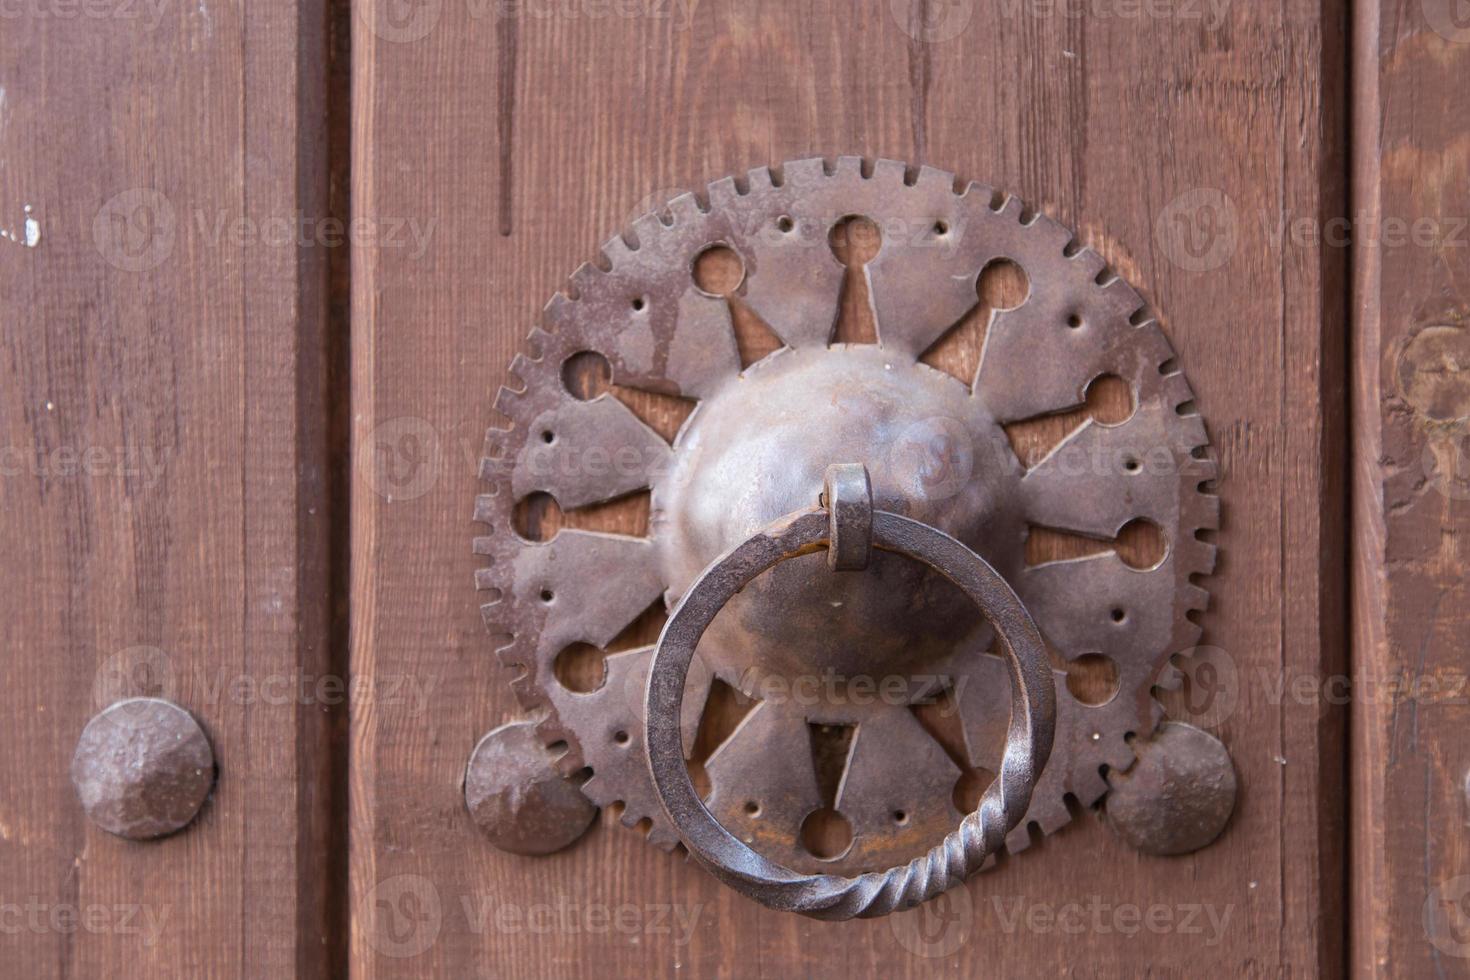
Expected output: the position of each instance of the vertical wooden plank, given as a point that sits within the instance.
(519, 136)
(167, 511)
(1411, 483)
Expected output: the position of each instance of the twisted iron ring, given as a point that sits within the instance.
(1028, 739)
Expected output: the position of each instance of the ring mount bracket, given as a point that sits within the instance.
(847, 495)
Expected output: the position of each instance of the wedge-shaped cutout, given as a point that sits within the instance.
(1002, 285)
(1044, 544)
(720, 271)
(831, 748)
(940, 717)
(825, 833)
(753, 337)
(1109, 401)
(1140, 544)
(970, 787)
(724, 709)
(854, 241)
(582, 667)
(538, 517)
(664, 414)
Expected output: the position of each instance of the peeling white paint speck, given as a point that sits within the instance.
(30, 233)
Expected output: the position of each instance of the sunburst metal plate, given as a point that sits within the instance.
(854, 651)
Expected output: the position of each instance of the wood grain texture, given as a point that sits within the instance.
(162, 410)
(1411, 400)
(525, 144)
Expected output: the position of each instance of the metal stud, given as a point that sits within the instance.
(142, 768)
(1178, 797)
(517, 797)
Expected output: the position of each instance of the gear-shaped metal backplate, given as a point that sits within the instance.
(850, 652)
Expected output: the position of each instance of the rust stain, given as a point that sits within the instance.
(1434, 373)
(1436, 174)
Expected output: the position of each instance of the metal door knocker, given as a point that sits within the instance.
(847, 520)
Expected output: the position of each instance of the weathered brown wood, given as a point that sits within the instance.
(1411, 401)
(162, 405)
(524, 134)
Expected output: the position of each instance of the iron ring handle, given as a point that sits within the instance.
(981, 833)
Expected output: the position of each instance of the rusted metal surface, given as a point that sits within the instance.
(756, 447)
(516, 796)
(1179, 796)
(143, 768)
(965, 849)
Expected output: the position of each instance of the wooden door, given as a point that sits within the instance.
(525, 138)
(262, 272)
(167, 490)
